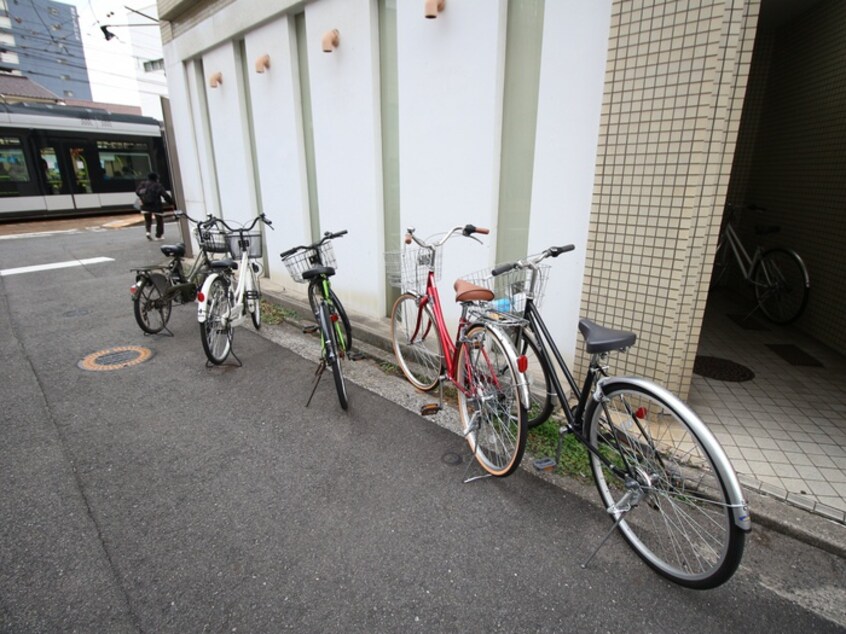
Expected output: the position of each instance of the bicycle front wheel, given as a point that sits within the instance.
(152, 311)
(537, 375)
(332, 353)
(416, 341)
(493, 418)
(781, 285)
(674, 503)
(216, 331)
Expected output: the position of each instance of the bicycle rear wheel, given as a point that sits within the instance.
(677, 514)
(332, 353)
(416, 341)
(216, 331)
(493, 418)
(781, 285)
(152, 311)
(315, 292)
(254, 299)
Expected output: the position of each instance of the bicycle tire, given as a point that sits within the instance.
(782, 285)
(493, 418)
(538, 378)
(332, 355)
(254, 303)
(152, 311)
(683, 527)
(216, 331)
(315, 291)
(416, 341)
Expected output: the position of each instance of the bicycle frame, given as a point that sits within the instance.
(744, 260)
(239, 295)
(451, 348)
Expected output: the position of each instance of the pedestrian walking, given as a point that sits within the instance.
(151, 193)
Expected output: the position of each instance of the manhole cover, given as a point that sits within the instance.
(115, 358)
(721, 369)
(451, 458)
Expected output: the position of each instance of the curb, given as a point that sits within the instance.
(773, 512)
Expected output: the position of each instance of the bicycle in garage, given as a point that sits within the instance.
(224, 300)
(159, 286)
(662, 476)
(778, 276)
(314, 264)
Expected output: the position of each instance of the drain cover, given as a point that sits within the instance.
(115, 358)
(451, 458)
(721, 369)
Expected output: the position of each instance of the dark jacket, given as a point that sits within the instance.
(157, 191)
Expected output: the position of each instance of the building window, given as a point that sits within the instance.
(154, 65)
(69, 93)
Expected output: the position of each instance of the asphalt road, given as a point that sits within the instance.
(169, 497)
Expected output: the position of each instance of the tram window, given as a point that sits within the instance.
(50, 164)
(13, 168)
(125, 165)
(81, 175)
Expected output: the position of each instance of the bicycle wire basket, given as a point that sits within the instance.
(408, 270)
(510, 288)
(240, 241)
(211, 240)
(306, 259)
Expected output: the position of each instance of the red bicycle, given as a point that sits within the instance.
(480, 361)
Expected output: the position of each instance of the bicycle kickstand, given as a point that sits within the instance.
(623, 507)
(471, 460)
(318, 374)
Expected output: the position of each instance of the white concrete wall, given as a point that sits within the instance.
(345, 104)
(183, 131)
(450, 126)
(229, 125)
(575, 43)
(278, 138)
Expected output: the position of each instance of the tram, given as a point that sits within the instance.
(69, 161)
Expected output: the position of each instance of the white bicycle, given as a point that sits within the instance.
(224, 302)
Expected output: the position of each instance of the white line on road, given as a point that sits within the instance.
(54, 265)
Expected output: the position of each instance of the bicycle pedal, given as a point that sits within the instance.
(309, 330)
(430, 409)
(544, 464)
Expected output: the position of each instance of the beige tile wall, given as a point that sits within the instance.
(675, 80)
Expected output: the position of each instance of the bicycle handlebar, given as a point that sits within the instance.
(261, 217)
(467, 231)
(532, 261)
(210, 220)
(326, 237)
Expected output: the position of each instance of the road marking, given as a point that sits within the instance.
(54, 265)
(38, 234)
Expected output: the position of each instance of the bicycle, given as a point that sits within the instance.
(220, 307)
(158, 286)
(647, 450)
(314, 264)
(778, 276)
(480, 361)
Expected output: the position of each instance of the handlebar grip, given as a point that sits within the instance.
(407, 238)
(504, 268)
(285, 254)
(556, 251)
(471, 229)
(483, 230)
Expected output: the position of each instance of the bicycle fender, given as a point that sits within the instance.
(522, 383)
(739, 505)
(157, 279)
(202, 307)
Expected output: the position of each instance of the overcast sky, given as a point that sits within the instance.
(112, 64)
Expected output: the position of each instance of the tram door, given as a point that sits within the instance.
(68, 166)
